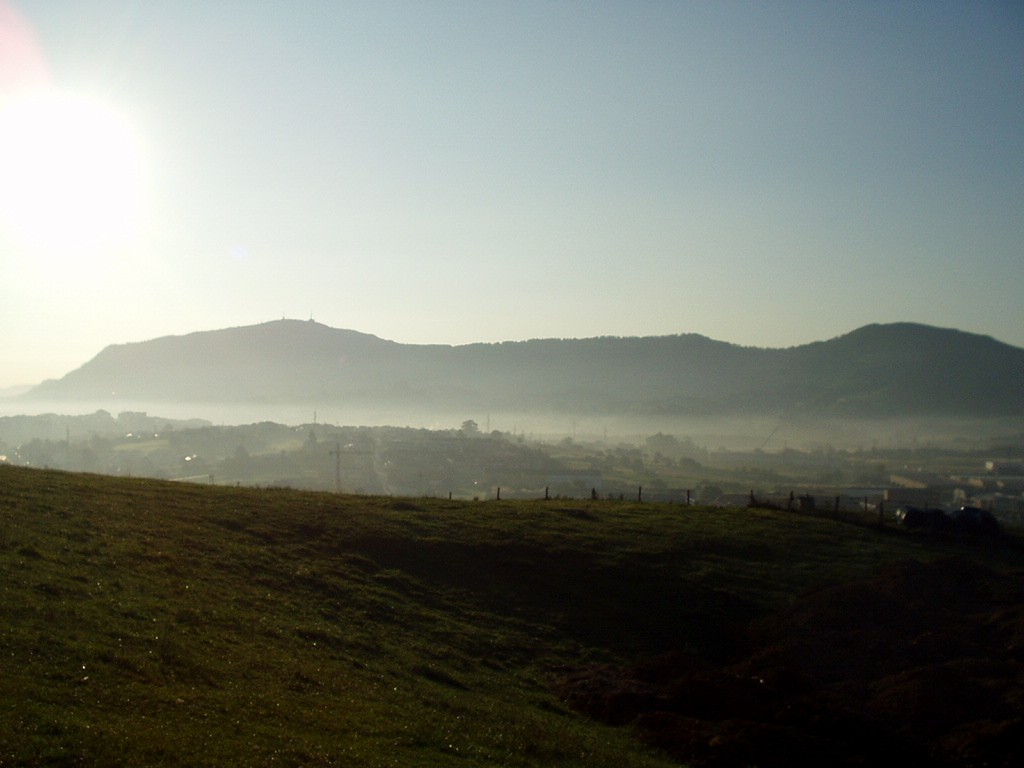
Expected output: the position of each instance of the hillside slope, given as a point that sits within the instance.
(875, 371)
(152, 623)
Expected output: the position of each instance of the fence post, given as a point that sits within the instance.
(640, 493)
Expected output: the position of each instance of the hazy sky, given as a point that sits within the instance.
(762, 173)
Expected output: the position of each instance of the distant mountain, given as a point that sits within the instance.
(14, 390)
(875, 371)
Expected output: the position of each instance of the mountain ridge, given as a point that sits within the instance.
(876, 370)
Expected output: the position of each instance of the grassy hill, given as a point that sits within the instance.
(152, 623)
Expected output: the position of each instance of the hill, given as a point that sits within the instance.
(876, 371)
(153, 623)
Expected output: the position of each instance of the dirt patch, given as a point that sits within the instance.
(923, 665)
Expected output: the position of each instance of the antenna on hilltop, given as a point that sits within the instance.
(337, 467)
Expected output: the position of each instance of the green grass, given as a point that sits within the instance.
(153, 623)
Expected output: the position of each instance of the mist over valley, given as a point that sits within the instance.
(299, 404)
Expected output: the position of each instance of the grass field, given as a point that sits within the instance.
(153, 623)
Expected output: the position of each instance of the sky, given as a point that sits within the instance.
(767, 174)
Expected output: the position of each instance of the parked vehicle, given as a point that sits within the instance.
(977, 521)
(927, 519)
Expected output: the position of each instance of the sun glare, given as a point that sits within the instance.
(70, 173)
